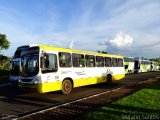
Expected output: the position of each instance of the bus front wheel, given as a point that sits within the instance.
(66, 86)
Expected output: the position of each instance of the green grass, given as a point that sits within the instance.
(144, 104)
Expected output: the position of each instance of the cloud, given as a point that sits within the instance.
(71, 44)
(121, 41)
(87, 23)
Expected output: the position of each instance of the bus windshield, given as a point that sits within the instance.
(15, 68)
(30, 62)
(17, 54)
(30, 65)
(15, 63)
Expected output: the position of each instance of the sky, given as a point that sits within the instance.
(124, 27)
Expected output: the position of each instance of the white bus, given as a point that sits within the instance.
(154, 66)
(142, 65)
(49, 68)
(15, 64)
(129, 64)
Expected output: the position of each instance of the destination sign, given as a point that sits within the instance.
(30, 51)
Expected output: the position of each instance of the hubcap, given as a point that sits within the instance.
(66, 87)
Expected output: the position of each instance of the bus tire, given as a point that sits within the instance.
(66, 86)
(109, 79)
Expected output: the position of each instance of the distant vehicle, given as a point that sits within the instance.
(136, 65)
(49, 68)
(15, 64)
(154, 66)
(142, 65)
(129, 64)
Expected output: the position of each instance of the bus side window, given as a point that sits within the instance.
(120, 62)
(48, 63)
(78, 60)
(90, 61)
(99, 61)
(43, 61)
(108, 62)
(114, 62)
(82, 61)
(65, 59)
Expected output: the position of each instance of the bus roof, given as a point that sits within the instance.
(54, 48)
(27, 46)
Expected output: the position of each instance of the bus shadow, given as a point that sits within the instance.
(15, 96)
(103, 85)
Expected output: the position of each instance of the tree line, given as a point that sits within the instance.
(156, 60)
(4, 60)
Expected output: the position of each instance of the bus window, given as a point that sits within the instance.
(78, 60)
(120, 62)
(15, 69)
(64, 59)
(49, 63)
(90, 60)
(99, 61)
(126, 66)
(18, 51)
(108, 62)
(114, 62)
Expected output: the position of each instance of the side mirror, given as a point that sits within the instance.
(44, 60)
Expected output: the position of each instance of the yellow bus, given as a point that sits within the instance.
(50, 68)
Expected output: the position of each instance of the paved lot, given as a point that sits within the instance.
(14, 101)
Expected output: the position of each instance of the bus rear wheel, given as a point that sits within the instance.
(66, 86)
(109, 79)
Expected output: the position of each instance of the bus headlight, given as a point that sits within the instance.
(19, 80)
(36, 81)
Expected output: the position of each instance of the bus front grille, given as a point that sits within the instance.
(26, 80)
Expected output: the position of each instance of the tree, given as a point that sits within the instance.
(156, 60)
(4, 43)
(4, 60)
(104, 52)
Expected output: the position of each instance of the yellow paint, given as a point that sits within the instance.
(95, 80)
(53, 48)
(89, 81)
(43, 87)
(55, 86)
(118, 77)
(48, 87)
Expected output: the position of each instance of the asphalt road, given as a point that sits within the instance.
(14, 101)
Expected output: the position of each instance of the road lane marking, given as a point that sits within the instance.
(6, 84)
